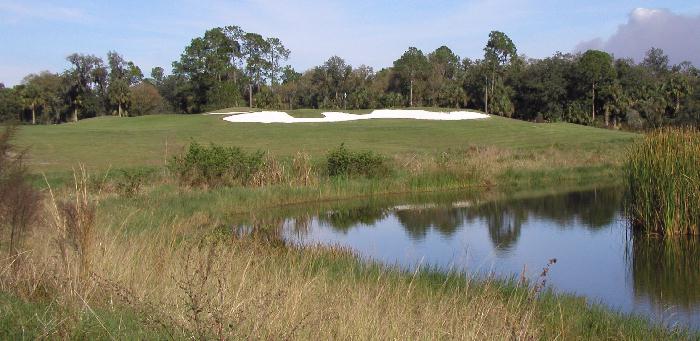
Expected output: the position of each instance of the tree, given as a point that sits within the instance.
(205, 63)
(31, 97)
(49, 87)
(676, 87)
(289, 75)
(145, 100)
(652, 107)
(80, 79)
(100, 77)
(135, 74)
(234, 34)
(542, 90)
(224, 94)
(411, 66)
(290, 85)
(444, 66)
(255, 49)
(498, 53)
(335, 74)
(359, 88)
(616, 103)
(157, 74)
(596, 67)
(656, 61)
(450, 95)
(277, 52)
(10, 104)
(120, 77)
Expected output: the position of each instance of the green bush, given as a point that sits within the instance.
(344, 162)
(130, 181)
(216, 165)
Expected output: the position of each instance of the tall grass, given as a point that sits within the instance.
(19, 200)
(188, 279)
(663, 183)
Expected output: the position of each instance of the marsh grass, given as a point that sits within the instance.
(189, 278)
(663, 183)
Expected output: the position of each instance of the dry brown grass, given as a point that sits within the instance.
(205, 285)
(190, 278)
(236, 288)
(484, 165)
(302, 170)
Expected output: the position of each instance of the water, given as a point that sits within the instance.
(585, 231)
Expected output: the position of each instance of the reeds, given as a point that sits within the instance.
(663, 183)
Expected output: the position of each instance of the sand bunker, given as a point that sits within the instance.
(283, 117)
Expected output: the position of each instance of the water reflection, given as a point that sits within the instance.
(418, 222)
(344, 219)
(585, 231)
(593, 209)
(667, 272)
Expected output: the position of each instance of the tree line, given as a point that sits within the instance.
(228, 67)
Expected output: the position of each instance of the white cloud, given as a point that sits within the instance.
(676, 34)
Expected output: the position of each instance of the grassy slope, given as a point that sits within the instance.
(105, 142)
(125, 142)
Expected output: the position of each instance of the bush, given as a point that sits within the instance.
(578, 112)
(130, 181)
(634, 120)
(216, 165)
(343, 162)
(146, 100)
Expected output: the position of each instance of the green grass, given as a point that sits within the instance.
(147, 230)
(44, 318)
(517, 156)
(663, 183)
(106, 142)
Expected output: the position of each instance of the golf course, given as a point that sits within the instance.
(208, 184)
(145, 219)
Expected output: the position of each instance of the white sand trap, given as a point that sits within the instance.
(228, 113)
(283, 117)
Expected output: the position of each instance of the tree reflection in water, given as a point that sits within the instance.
(658, 277)
(345, 219)
(504, 218)
(666, 272)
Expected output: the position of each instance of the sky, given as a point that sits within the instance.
(37, 35)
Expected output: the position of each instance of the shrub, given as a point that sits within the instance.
(130, 181)
(146, 100)
(344, 162)
(216, 165)
(663, 183)
(634, 120)
(578, 112)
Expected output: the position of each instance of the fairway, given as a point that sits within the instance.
(149, 140)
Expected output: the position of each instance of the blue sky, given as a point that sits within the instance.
(38, 35)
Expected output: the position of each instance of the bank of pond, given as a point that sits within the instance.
(598, 255)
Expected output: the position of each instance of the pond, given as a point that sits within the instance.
(597, 256)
